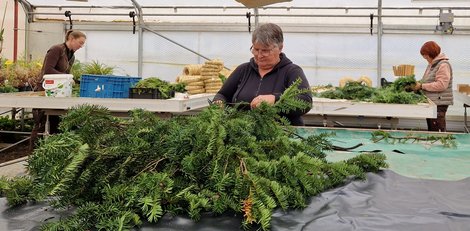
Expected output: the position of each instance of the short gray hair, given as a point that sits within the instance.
(268, 34)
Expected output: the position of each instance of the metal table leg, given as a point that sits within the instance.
(47, 127)
(465, 117)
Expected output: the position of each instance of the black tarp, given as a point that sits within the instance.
(383, 202)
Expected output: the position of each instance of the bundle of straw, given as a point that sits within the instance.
(404, 70)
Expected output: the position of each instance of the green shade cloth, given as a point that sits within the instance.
(421, 160)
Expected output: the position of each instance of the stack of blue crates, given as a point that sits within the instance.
(106, 86)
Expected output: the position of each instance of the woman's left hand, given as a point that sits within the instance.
(269, 99)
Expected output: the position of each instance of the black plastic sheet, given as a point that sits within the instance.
(384, 201)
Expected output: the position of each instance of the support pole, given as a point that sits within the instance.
(379, 42)
(15, 33)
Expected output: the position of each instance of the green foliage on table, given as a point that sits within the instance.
(93, 68)
(390, 95)
(165, 88)
(334, 93)
(404, 83)
(357, 91)
(118, 173)
(77, 70)
(76, 90)
(97, 68)
(351, 91)
(398, 92)
(179, 87)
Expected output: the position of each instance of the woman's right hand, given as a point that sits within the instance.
(269, 99)
(219, 103)
(418, 86)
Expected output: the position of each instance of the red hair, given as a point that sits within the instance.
(430, 49)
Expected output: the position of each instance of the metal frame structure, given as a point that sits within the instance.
(142, 12)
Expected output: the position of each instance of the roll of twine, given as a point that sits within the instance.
(192, 69)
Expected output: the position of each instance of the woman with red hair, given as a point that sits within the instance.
(436, 83)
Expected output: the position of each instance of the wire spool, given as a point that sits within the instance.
(192, 69)
(196, 91)
(213, 86)
(344, 80)
(212, 90)
(191, 88)
(198, 83)
(188, 78)
(365, 80)
(213, 80)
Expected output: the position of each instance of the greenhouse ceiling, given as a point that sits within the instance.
(90, 9)
(118, 10)
(158, 11)
(147, 3)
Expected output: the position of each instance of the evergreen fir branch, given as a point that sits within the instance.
(368, 162)
(196, 205)
(289, 100)
(399, 92)
(217, 161)
(282, 194)
(447, 140)
(338, 173)
(70, 171)
(91, 122)
(151, 208)
(17, 190)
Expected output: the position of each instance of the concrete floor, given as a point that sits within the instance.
(13, 168)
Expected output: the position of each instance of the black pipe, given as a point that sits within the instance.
(132, 15)
(69, 14)
(248, 16)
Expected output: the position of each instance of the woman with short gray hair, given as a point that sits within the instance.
(266, 76)
(267, 34)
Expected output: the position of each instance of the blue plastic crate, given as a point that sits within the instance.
(106, 86)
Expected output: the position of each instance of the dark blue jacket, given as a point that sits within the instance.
(245, 83)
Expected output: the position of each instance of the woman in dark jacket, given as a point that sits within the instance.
(59, 60)
(266, 76)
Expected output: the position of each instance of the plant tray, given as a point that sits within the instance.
(106, 86)
(147, 93)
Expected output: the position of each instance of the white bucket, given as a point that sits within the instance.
(58, 85)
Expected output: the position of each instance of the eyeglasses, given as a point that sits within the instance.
(263, 52)
(80, 42)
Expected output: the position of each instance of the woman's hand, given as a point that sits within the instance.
(417, 87)
(219, 103)
(269, 99)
